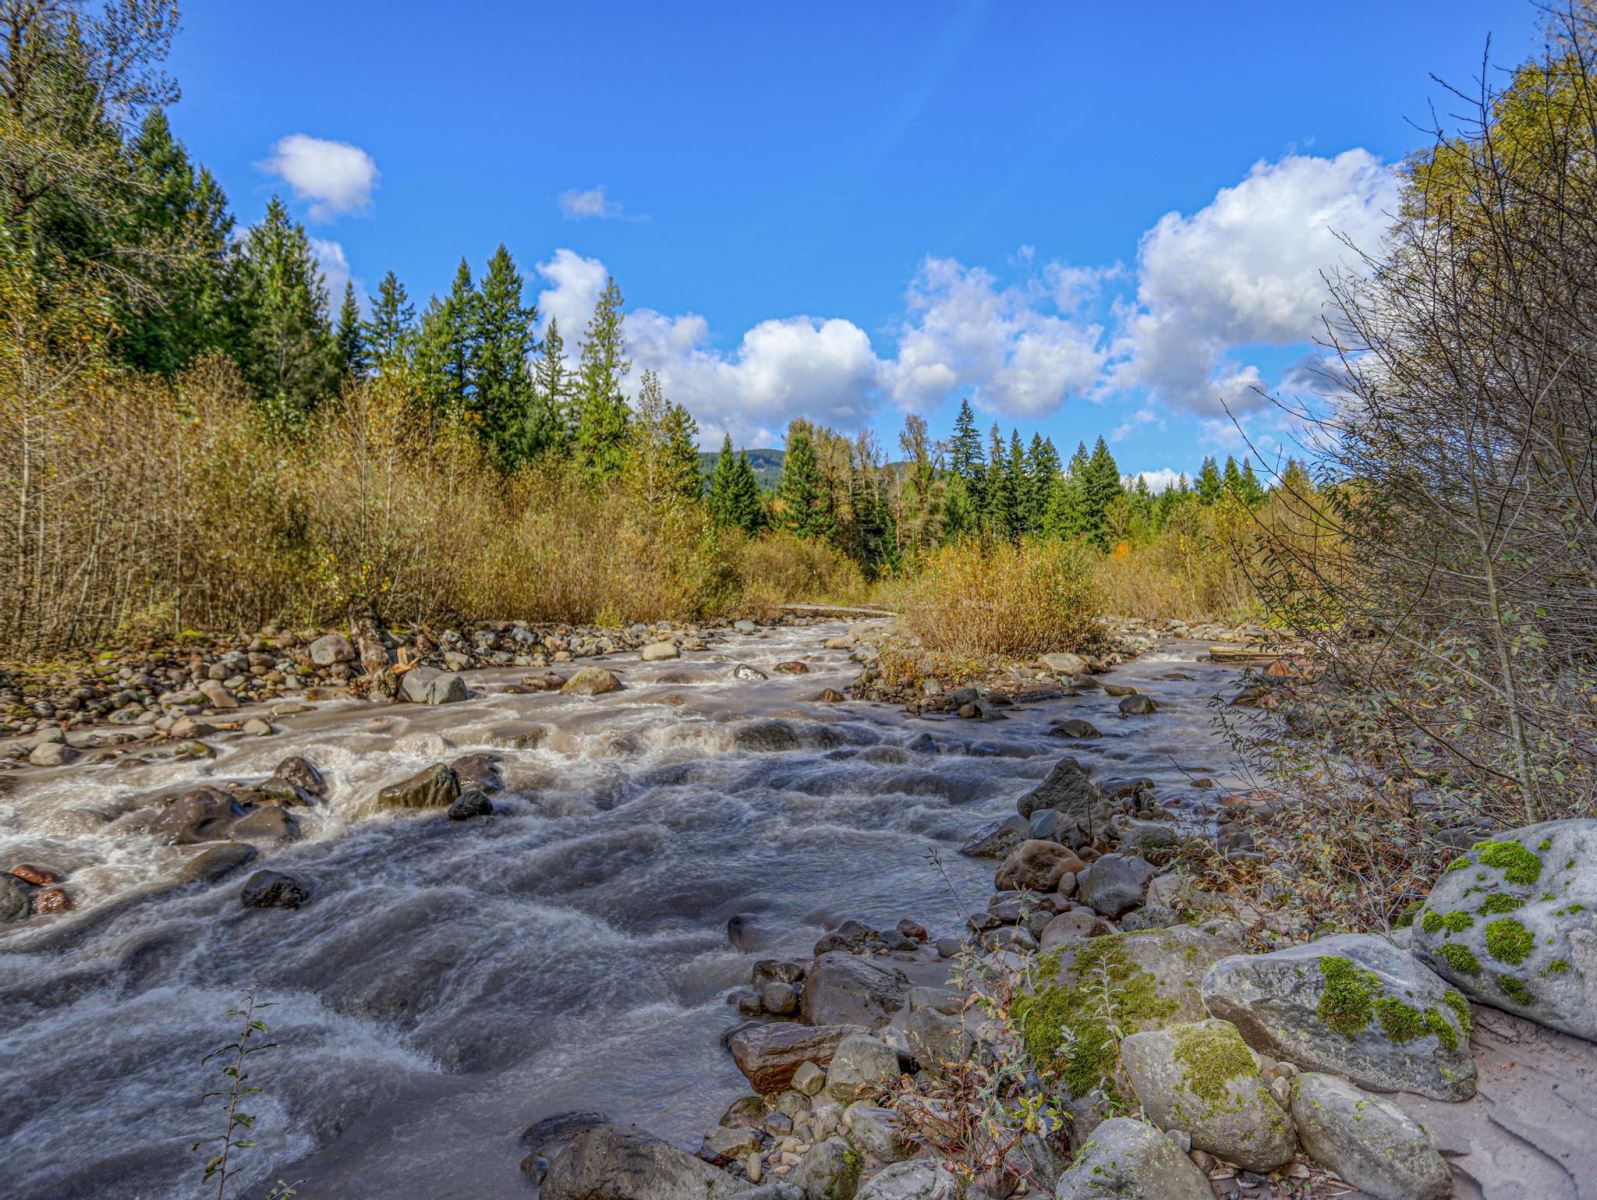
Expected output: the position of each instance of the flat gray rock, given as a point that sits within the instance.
(1367, 1140)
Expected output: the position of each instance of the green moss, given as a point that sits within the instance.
(1068, 1025)
(1410, 911)
(1514, 988)
(1509, 941)
(1570, 910)
(1460, 958)
(1213, 1054)
(1432, 922)
(1454, 1000)
(1399, 1021)
(1458, 864)
(1500, 903)
(1546, 845)
(1517, 864)
(1559, 966)
(1348, 1002)
(1458, 922)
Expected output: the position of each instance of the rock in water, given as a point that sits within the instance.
(15, 904)
(1370, 1142)
(843, 989)
(768, 1055)
(659, 652)
(474, 803)
(272, 889)
(428, 685)
(1513, 924)
(591, 681)
(1065, 663)
(1067, 789)
(1352, 1004)
(210, 865)
(997, 838)
(1075, 727)
(302, 774)
(436, 787)
(1203, 1079)
(205, 814)
(621, 1162)
(1138, 706)
(1131, 1160)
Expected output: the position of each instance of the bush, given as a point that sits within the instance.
(975, 598)
(780, 567)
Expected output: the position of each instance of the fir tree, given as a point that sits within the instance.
(390, 332)
(1231, 477)
(723, 502)
(1249, 488)
(804, 494)
(664, 462)
(446, 351)
(747, 503)
(507, 413)
(552, 385)
(350, 340)
(1101, 487)
(1042, 467)
(969, 467)
(996, 492)
(601, 434)
(1210, 486)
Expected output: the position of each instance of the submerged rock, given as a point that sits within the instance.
(1513, 924)
(1370, 1142)
(1352, 1004)
(210, 865)
(15, 901)
(591, 681)
(272, 889)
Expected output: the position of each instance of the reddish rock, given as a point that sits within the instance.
(38, 876)
(912, 931)
(769, 1054)
(791, 668)
(1037, 866)
(51, 900)
(546, 681)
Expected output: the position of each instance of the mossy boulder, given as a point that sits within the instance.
(1132, 1160)
(1370, 1142)
(1127, 982)
(1203, 1078)
(1352, 1004)
(1513, 924)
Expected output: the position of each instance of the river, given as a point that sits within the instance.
(452, 982)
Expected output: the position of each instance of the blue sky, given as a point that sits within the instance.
(1089, 221)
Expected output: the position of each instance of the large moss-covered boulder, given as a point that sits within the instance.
(1352, 1004)
(1370, 1142)
(1132, 1160)
(1089, 990)
(1201, 1077)
(1513, 924)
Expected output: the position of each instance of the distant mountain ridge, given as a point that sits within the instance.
(767, 465)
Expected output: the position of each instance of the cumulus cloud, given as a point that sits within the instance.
(335, 177)
(1158, 481)
(1247, 270)
(334, 265)
(592, 204)
(964, 330)
(575, 283)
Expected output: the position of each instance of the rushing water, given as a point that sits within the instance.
(451, 982)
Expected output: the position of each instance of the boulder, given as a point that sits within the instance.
(266, 824)
(1138, 706)
(844, 989)
(218, 695)
(302, 774)
(52, 754)
(480, 771)
(210, 865)
(429, 685)
(616, 1162)
(1132, 1160)
(911, 1181)
(878, 1132)
(272, 889)
(473, 803)
(15, 901)
(1073, 926)
(436, 787)
(660, 652)
(517, 735)
(829, 1170)
(1352, 1004)
(997, 838)
(1065, 663)
(935, 1039)
(1513, 924)
(1368, 1141)
(862, 1068)
(1036, 866)
(549, 1136)
(726, 1144)
(1114, 884)
(332, 649)
(1075, 728)
(591, 681)
(1202, 1078)
(1068, 789)
(205, 814)
(769, 1055)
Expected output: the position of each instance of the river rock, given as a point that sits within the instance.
(1114, 884)
(428, 685)
(621, 1162)
(255, 727)
(936, 1039)
(302, 774)
(1138, 706)
(517, 735)
(725, 1144)
(331, 649)
(1065, 663)
(1513, 924)
(1075, 728)
(1132, 1160)
(844, 989)
(877, 1131)
(273, 889)
(52, 754)
(470, 804)
(436, 787)
(997, 838)
(779, 999)
(15, 903)
(205, 814)
(1202, 1078)
(768, 1055)
(660, 652)
(591, 681)
(51, 900)
(210, 865)
(861, 1068)
(1367, 1140)
(829, 1170)
(268, 823)
(38, 876)
(910, 1181)
(480, 771)
(1036, 866)
(1068, 789)
(1352, 1004)
(218, 695)
(1073, 926)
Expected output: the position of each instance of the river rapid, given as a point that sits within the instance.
(450, 983)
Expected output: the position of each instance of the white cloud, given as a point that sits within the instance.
(334, 264)
(592, 204)
(1247, 270)
(1143, 416)
(575, 284)
(1158, 481)
(334, 176)
(965, 331)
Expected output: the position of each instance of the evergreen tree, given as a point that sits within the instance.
(1231, 477)
(601, 434)
(1066, 517)
(388, 336)
(804, 494)
(551, 383)
(1249, 488)
(965, 457)
(1042, 467)
(1210, 485)
(1016, 487)
(747, 503)
(724, 500)
(1101, 487)
(917, 521)
(446, 350)
(997, 491)
(664, 462)
(289, 357)
(509, 416)
(350, 340)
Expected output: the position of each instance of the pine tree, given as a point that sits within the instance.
(997, 494)
(1101, 487)
(289, 357)
(601, 434)
(552, 384)
(1249, 488)
(507, 413)
(446, 351)
(350, 340)
(965, 458)
(663, 462)
(804, 494)
(747, 503)
(1231, 477)
(1042, 467)
(388, 336)
(1016, 487)
(724, 501)
(1067, 503)
(1210, 486)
